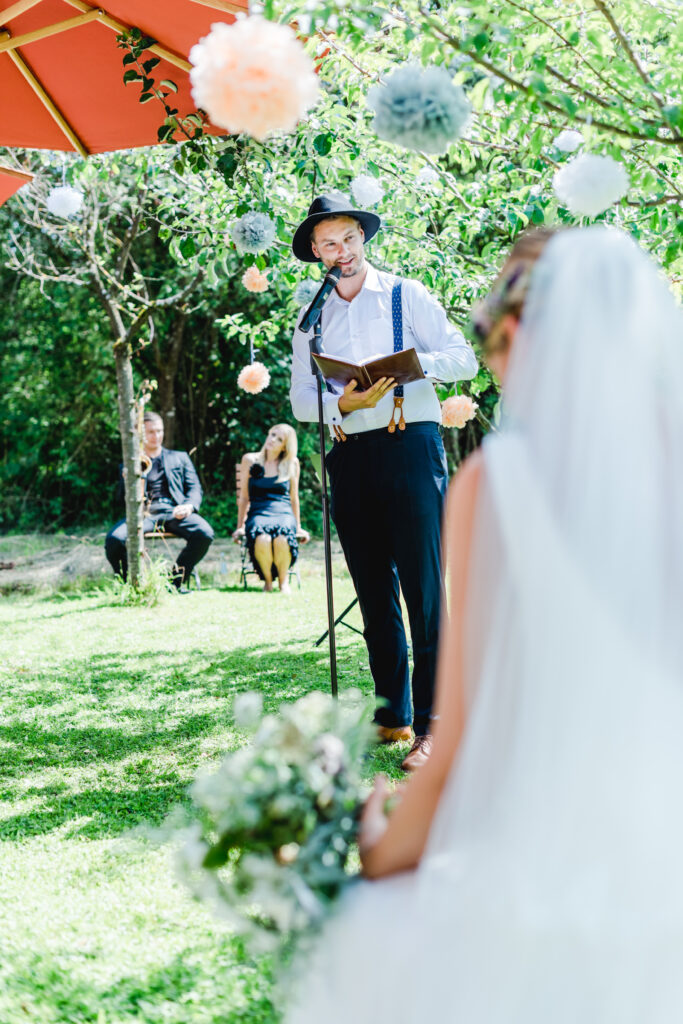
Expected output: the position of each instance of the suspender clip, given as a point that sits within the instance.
(398, 404)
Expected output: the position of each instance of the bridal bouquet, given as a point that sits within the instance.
(275, 825)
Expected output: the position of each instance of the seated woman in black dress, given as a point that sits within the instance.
(268, 513)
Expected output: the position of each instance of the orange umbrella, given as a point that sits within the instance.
(61, 72)
(11, 181)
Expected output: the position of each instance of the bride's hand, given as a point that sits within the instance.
(374, 821)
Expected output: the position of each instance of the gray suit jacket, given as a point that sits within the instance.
(183, 482)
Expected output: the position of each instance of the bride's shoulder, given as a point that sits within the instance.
(463, 492)
(468, 475)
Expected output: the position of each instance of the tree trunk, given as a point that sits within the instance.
(167, 371)
(130, 447)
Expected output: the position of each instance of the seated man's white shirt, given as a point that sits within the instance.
(362, 329)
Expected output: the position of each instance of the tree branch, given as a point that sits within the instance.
(584, 60)
(547, 104)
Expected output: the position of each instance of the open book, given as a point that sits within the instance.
(403, 366)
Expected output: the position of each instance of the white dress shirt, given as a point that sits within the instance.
(362, 329)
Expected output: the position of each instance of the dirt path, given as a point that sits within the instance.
(44, 561)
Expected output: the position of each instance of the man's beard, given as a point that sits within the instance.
(355, 268)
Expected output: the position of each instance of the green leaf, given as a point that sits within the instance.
(227, 165)
(568, 103)
(215, 857)
(146, 97)
(131, 76)
(128, 58)
(477, 95)
(187, 247)
(538, 86)
(322, 144)
(168, 84)
(428, 48)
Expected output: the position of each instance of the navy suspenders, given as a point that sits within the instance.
(397, 325)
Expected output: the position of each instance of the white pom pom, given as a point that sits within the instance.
(366, 190)
(64, 201)
(590, 184)
(568, 140)
(428, 177)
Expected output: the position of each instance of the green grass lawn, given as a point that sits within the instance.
(107, 713)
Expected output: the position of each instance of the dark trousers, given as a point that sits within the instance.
(387, 494)
(195, 530)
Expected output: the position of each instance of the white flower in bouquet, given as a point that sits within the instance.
(568, 141)
(366, 190)
(590, 184)
(253, 76)
(331, 750)
(64, 201)
(419, 108)
(279, 818)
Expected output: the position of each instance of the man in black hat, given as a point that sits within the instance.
(387, 485)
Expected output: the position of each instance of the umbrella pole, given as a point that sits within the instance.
(315, 346)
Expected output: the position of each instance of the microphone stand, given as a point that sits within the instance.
(315, 347)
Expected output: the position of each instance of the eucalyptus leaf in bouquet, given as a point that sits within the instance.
(276, 824)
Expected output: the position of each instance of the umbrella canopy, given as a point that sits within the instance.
(61, 72)
(11, 181)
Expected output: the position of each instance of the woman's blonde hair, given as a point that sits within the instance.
(286, 460)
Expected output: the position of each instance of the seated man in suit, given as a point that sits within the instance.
(173, 496)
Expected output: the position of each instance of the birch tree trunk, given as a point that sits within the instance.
(167, 371)
(130, 447)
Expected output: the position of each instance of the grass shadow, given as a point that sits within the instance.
(131, 764)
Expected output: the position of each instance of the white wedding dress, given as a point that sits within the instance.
(552, 888)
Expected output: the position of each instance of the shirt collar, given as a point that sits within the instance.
(370, 284)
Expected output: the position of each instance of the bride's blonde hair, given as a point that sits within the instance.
(286, 460)
(509, 290)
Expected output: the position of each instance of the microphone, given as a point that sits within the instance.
(312, 314)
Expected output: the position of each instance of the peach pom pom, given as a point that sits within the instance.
(253, 378)
(254, 281)
(253, 76)
(458, 410)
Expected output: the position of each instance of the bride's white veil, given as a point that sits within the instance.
(554, 874)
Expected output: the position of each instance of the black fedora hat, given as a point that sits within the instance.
(322, 208)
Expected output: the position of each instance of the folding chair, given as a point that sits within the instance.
(247, 568)
(159, 534)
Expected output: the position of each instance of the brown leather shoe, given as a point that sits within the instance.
(401, 734)
(419, 753)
